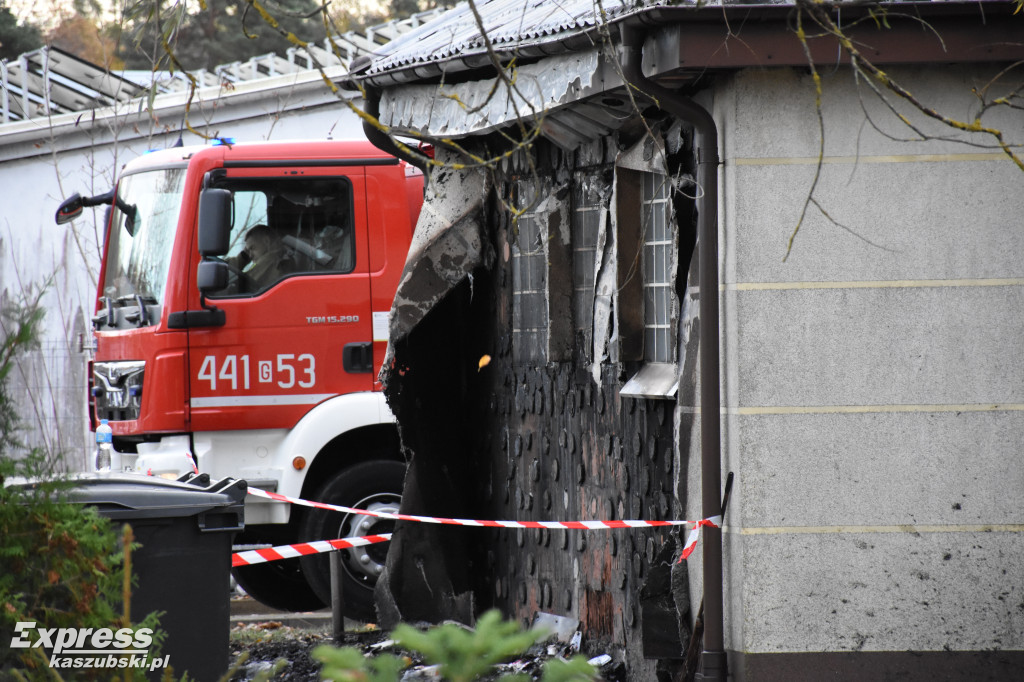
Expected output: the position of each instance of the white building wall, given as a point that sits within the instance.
(43, 161)
(873, 380)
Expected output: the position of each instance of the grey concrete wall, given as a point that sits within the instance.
(43, 161)
(873, 380)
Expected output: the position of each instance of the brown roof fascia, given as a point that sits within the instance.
(734, 37)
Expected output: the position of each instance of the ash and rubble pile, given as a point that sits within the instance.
(295, 646)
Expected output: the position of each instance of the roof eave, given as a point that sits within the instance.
(453, 69)
(916, 32)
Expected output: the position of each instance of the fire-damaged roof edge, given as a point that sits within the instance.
(527, 30)
(417, 57)
(473, 108)
(555, 68)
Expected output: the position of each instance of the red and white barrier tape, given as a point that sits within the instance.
(691, 540)
(259, 556)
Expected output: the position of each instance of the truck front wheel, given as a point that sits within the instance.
(374, 486)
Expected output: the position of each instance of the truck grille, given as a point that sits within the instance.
(117, 389)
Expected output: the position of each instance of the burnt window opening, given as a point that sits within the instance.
(589, 189)
(529, 276)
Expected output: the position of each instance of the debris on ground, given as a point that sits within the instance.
(267, 642)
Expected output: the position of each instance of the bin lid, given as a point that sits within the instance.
(135, 496)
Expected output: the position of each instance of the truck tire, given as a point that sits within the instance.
(279, 585)
(374, 486)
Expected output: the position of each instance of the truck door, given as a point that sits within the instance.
(298, 323)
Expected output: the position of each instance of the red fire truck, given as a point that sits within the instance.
(240, 324)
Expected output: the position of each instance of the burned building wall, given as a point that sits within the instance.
(540, 429)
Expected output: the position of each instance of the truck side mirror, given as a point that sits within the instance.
(215, 208)
(69, 209)
(212, 276)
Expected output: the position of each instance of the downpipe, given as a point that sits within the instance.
(713, 658)
(381, 140)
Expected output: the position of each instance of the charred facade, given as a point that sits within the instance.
(544, 386)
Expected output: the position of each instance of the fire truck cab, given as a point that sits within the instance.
(240, 325)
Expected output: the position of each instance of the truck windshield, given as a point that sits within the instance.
(142, 235)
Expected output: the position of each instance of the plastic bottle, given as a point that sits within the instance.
(104, 445)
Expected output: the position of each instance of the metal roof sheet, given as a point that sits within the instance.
(512, 27)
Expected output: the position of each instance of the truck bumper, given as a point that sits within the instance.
(170, 457)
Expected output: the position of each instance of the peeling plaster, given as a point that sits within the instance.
(446, 245)
(605, 332)
(646, 156)
(552, 205)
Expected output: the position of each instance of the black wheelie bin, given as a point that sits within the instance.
(183, 567)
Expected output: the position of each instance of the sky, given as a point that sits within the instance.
(42, 13)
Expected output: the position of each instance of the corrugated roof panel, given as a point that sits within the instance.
(510, 25)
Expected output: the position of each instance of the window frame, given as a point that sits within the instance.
(589, 208)
(657, 375)
(658, 259)
(529, 320)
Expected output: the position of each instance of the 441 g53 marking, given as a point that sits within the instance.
(290, 371)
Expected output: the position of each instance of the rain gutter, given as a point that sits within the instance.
(633, 33)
